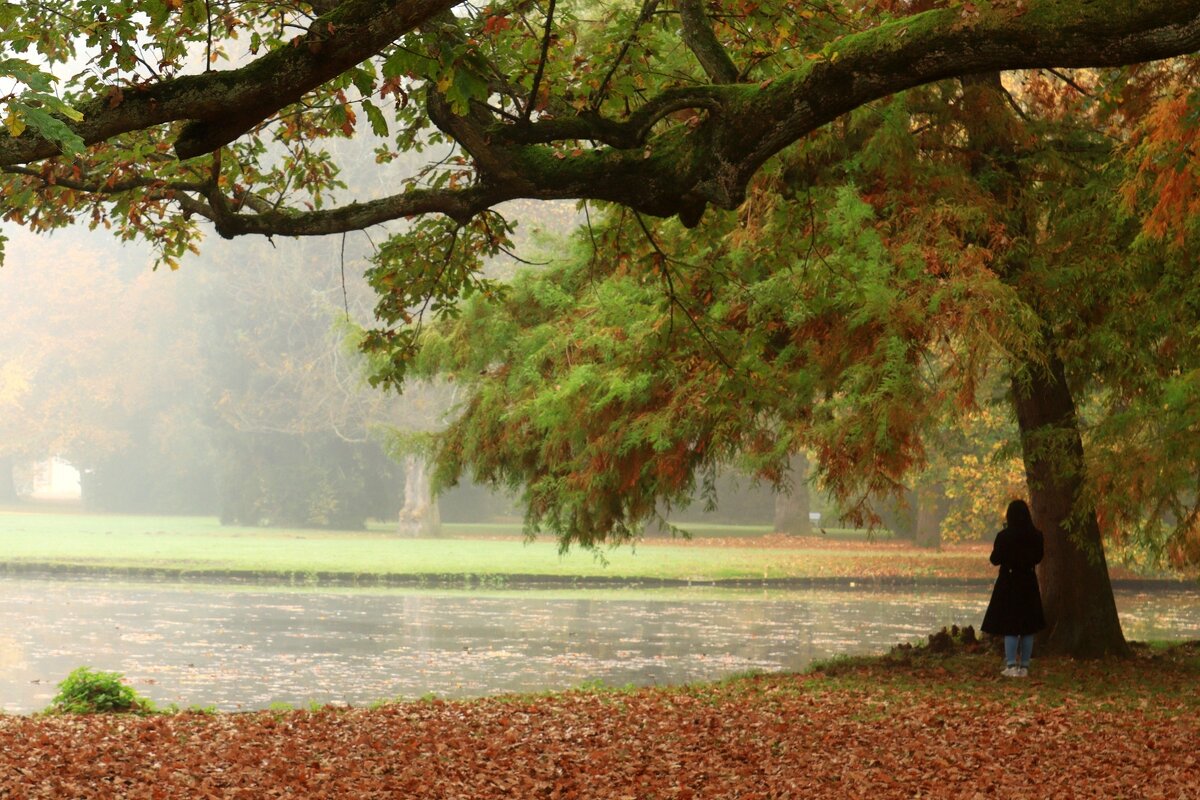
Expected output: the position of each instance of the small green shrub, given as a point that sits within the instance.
(87, 691)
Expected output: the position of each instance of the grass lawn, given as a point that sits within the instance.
(198, 545)
(912, 724)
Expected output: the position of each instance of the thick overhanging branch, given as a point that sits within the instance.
(221, 106)
(624, 134)
(943, 44)
(348, 35)
(470, 133)
(921, 49)
(686, 167)
(459, 204)
(651, 183)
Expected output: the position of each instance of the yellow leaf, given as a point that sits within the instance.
(14, 124)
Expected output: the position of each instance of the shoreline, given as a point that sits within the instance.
(518, 581)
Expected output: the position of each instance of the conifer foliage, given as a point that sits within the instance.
(878, 276)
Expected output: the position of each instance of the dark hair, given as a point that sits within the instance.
(1018, 515)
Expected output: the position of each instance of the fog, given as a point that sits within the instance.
(231, 386)
(163, 387)
(228, 387)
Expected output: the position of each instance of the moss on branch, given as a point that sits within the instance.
(224, 105)
(646, 160)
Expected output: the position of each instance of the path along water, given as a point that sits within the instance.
(245, 648)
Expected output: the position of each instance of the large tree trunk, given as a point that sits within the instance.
(1081, 614)
(931, 509)
(8, 487)
(420, 515)
(791, 507)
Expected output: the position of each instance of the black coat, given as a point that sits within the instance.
(1016, 605)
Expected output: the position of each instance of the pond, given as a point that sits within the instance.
(238, 648)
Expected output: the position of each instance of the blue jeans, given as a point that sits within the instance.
(1014, 643)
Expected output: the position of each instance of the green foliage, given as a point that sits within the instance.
(853, 308)
(88, 691)
(35, 106)
(604, 386)
(425, 272)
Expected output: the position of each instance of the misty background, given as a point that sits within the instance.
(229, 387)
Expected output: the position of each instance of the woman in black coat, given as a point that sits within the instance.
(1015, 611)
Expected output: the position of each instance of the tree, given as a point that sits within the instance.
(293, 424)
(791, 502)
(596, 103)
(921, 267)
(214, 386)
(72, 320)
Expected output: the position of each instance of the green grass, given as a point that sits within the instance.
(697, 530)
(201, 544)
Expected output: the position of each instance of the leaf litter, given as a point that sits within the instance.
(914, 723)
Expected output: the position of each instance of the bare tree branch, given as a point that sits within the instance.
(541, 67)
(647, 11)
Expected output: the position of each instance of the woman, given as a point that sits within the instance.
(1015, 611)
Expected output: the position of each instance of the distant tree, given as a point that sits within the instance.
(791, 500)
(292, 420)
(420, 514)
(177, 393)
(72, 321)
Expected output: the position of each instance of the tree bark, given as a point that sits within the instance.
(8, 488)
(1081, 613)
(931, 499)
(420, 516)
(791, 507)
(699, 37)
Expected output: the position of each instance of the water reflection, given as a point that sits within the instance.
(239, 648)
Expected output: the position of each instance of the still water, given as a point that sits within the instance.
(246, 648)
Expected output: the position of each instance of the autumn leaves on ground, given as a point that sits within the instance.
(915, 723)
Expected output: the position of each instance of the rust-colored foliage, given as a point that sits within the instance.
(1162, 102)
(913, 724)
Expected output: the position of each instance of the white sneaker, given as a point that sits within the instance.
(1011, 672)
(1022, 672)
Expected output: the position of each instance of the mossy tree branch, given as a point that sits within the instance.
(221, 106)
(683, 168)
(679, 152)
